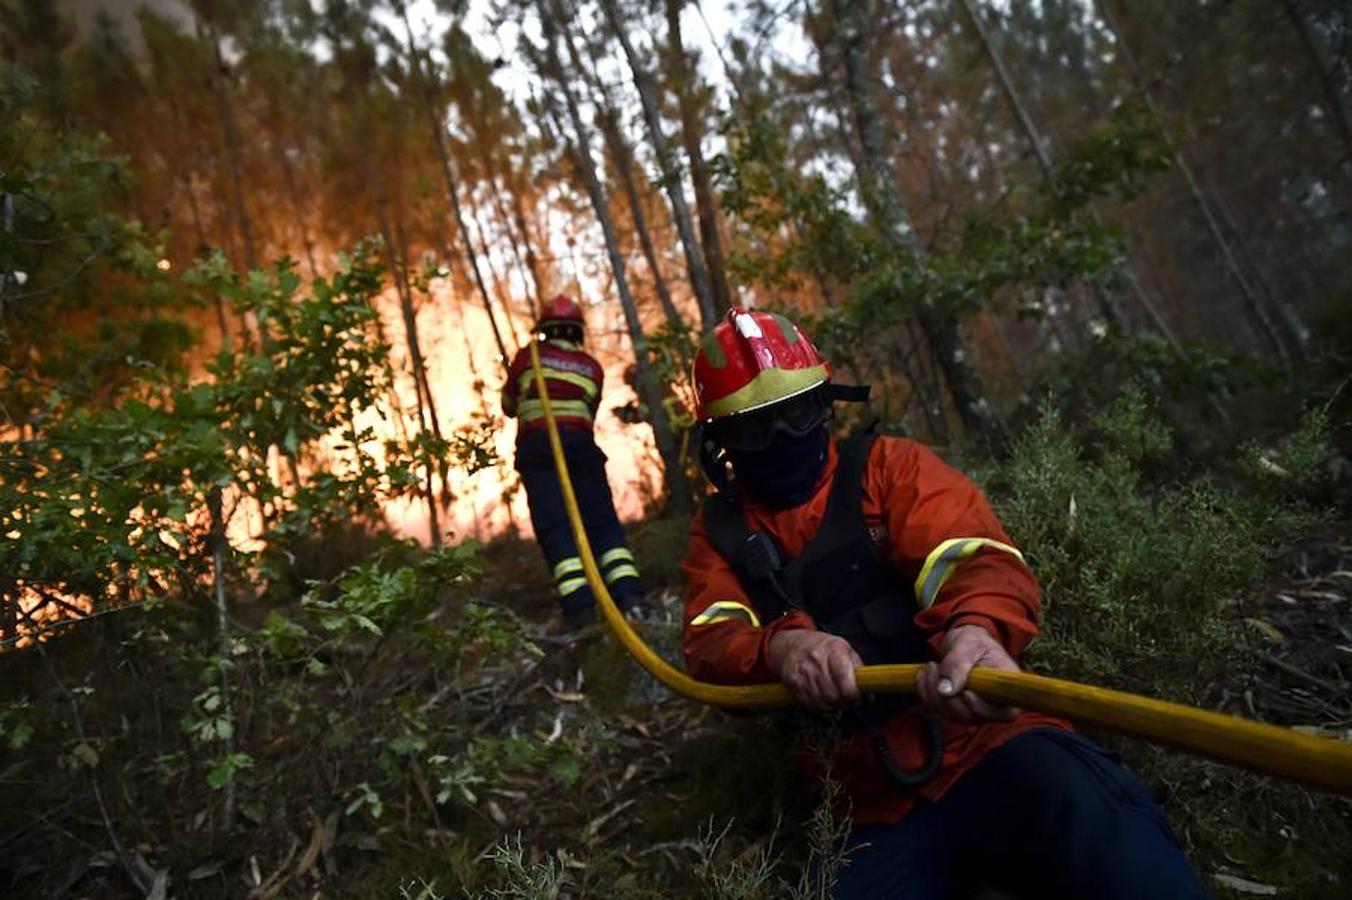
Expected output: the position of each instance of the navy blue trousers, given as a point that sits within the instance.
(587, 469)
(1049, 814)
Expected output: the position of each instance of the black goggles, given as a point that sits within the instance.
(756, 430)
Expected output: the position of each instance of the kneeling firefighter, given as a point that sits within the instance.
(816, 556)
(573, 379)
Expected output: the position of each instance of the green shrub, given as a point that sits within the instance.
(1136, 576)
(1299, 462)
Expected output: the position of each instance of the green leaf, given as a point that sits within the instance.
(86, 754)
(366, 623)
(566, 770)
(19, 735)
(226, 767)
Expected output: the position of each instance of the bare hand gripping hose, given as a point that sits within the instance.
(1318, 762)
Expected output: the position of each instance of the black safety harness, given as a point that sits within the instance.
(846, 586)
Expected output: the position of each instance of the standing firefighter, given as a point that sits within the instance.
(573, 379)
(818, 556)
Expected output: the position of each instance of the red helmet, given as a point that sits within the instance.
(751, 360)
(561, 310)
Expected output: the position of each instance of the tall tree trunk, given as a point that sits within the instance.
(882, 196)
(619, 155)
(671, 180)
(1108, 304)
(411, 322)
(225, 111)
(297, 208)
(1340, 110)
(471, 255)
(419, 63)
(355, 93)
(678, 488)
(1228, 255)
(622, 156)
(500, 287)
(925, 381)
(1296, 332)
(204, 249)
(230, 143)
(478, 383)
(533, 261)
(420, 385)
(534, 295)
(224, 642)
(691, 132)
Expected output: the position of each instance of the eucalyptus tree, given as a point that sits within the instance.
(497, 144)
(1230, 256)
(210, 19)
(682, 75)
(882, 196)
(578, 144)
(366, 171)
(668, 170)
(1315, 33)
(622, 158)
(283, 78)
(621, 154)
(425, 83)
(1039, 145)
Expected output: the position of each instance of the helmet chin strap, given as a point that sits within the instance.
(713, 459)
(848, 393)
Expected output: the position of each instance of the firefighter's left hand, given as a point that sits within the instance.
(942, 685)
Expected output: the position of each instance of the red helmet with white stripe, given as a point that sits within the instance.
(752, 360)
(562, 310)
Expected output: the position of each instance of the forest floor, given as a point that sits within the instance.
(682, 773)
(587, 779)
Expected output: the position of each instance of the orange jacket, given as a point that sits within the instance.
(936, 527)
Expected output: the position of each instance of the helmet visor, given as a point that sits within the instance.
(756, 430)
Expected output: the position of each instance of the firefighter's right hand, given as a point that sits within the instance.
(817, 667)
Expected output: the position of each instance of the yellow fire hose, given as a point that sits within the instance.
(1318, 762)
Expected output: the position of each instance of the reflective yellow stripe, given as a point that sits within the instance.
(571, 585)
(587, 384)
(944, 558)
(567, 566)
(724, 610)
(624, 570)
(616, 553)
(529, 410)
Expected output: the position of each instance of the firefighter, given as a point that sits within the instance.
(574, 380)
(816, 556)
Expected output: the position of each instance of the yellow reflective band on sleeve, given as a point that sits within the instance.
(724, 610)
(616, 553)
(944, 558)
(571, 585)
(567, 567)
(587, 384)
(624, 570)
(530, 410)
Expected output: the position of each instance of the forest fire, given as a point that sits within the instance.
(274, 617)
(38, 612)
(466, 377)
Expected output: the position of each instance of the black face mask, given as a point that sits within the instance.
(785, 474)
